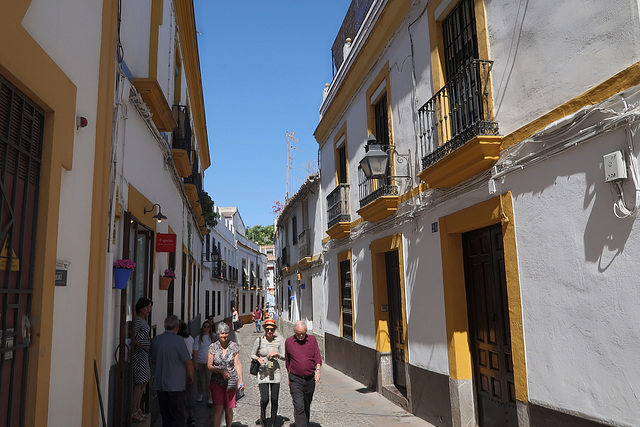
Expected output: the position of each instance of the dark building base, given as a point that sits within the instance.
(540, 416)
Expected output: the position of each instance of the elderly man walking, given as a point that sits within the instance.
(174, 369)
(302, 357)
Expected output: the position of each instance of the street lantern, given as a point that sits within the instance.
(375, 161)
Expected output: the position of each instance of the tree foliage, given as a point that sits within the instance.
(210, 216)
(263, 235)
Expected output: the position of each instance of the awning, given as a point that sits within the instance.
(253, 273)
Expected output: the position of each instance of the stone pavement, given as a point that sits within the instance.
(338, 400)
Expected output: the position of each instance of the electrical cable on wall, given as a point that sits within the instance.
(620, 208)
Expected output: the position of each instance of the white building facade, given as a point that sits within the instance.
(480, 276)
(105, 98)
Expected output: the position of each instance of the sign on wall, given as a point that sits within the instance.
(166, 242)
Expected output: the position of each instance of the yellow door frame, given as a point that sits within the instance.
(493, 211)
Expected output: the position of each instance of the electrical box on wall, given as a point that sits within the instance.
(615, 167)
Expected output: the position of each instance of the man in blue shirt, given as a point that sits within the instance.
(173, 369)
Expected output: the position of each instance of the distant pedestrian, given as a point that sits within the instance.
(190, 390)
(224, 363)
(257, 318)
(235, 318)
(174, 370)
(302, 356)
(268, 350)
(140, 359)
(205, 338)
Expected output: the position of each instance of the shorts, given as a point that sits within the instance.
(222, 396)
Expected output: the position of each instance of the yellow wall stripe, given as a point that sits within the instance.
(100, 212)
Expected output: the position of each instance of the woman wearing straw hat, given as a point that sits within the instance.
(268, 350)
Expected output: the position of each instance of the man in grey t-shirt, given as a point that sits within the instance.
(173, 369)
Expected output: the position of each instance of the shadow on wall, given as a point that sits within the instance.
(553, 184)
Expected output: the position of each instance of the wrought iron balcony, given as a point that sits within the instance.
(372, 189)
(182, 133)
(338, 205)
(457, 113)
(195, 178)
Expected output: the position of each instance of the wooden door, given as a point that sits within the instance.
(489, 327)
(396, 325)
(21, 127)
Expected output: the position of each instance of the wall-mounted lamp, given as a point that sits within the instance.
(157, 216)
(375, 162)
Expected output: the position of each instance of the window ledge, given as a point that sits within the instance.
(154, 98)
(381, 208)
(340, 230)
(476, 156)
(181, 159)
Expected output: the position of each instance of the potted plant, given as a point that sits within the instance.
(166, 279)
(122, 270)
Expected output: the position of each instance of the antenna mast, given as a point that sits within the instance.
(291, 140)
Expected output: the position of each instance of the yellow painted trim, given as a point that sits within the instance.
(326, 239)
(389, 20)
(153, 96)
(379, 279)
(100, 209)
(437, 44)
(474, 157)
(344, 256)
(157, 7)
(186, 20)
(136, 204)
(383, 76)
(25, 64)
(620, 82)
(177, 72)
(181, 159)
(381, 208)
(336, 156)
(339, 230)
(493, 211)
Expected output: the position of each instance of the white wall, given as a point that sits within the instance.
(55, 27)
(578, 275)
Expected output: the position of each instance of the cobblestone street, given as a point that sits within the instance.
(338, 400)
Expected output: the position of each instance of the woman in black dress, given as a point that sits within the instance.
(141, 341)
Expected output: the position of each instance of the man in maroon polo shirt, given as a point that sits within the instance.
(302, 356)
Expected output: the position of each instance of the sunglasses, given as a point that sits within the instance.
(270, 329)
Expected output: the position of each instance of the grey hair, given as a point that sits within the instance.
(222, 327)
(171, 322)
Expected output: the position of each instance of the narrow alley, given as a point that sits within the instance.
(338, 400)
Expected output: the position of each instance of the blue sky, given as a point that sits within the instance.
(264, 65)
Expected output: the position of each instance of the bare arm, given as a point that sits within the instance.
(189, 364)
(236, 361)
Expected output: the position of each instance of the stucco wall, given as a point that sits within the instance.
(578, 266)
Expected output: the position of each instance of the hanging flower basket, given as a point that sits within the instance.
(165, 282)
(121, 277)
(122, 270)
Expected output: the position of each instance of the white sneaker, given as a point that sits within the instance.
(199, 399)
(210, 403)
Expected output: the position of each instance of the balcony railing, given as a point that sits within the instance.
(195, 178)
(350, 26)
(338, 205)
(182, 133)
(220, 269)
(303, 244)
(457, 113)
(372, 189)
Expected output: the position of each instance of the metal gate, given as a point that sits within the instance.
(21, 127)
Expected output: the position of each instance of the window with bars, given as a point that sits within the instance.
(346, 300)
